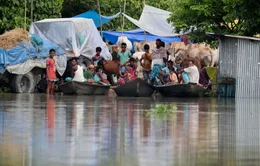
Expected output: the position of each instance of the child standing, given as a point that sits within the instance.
(97, 58)
(147, 62)
(51, 72)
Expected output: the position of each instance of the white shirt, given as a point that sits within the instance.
(159, 53)
(157, 62)
(193, 74)
(79, 75)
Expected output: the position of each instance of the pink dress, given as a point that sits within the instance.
(50, 70)
(132, 73)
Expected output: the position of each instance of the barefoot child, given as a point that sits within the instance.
(51, 72)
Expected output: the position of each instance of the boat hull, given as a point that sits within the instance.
(82, 88)
(181, 90)
(135, 88)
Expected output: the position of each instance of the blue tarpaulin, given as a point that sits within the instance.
(91, 14)
(25, 51)
(138, 30)
(137, 35)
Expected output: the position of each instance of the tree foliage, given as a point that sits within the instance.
(12, 12)
(237, 17)
(133, 8)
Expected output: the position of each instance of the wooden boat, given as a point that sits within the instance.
(83, 88)
(135, 88)
(181, 90)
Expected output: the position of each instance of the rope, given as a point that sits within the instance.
(156, 13)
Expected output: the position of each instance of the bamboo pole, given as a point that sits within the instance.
(32, 11)
(25, 3)
(144, 30)
(100, 19)
(123, 24)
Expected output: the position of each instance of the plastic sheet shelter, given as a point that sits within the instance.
(138, 35)
(154, 21)
(78, 36)
(91, 14)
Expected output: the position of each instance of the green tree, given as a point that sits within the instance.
(237, 17)
(12, 12)
(133, 8)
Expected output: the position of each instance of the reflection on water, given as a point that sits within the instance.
(39, 130)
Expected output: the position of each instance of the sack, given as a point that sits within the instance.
(185, 77)
(37, 39)
(111, 67)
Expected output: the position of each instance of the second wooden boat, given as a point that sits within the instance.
(135, 88)
(83, 88)
(181, 90)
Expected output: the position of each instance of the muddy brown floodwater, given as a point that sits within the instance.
(36, 130)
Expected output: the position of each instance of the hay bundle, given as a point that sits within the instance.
(11, 38)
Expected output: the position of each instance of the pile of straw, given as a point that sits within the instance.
(11, 38)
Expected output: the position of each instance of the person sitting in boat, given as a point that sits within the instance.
(183, 77)
(100, 76)
(97, 58)
(120, 80)
(159, 56)
(77, 72)
(128, 75)
(172, 78)
(132, 68)
(89, 73)
(165, 72)
(123, 56)
(192, 72)
(204, 80)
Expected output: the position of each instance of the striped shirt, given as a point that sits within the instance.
(159, 53)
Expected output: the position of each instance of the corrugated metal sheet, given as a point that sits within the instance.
(228, 57)
(248, 68)
(240, 58)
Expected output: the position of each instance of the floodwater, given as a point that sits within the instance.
(36, 130)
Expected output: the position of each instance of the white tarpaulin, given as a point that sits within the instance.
(23, 68)
(154, 21)
(75, 35)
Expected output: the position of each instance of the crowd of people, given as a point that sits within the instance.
(95, 71)
(157, 70)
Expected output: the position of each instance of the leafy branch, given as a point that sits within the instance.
(161, 110)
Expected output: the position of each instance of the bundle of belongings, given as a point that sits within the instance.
(18, 47)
